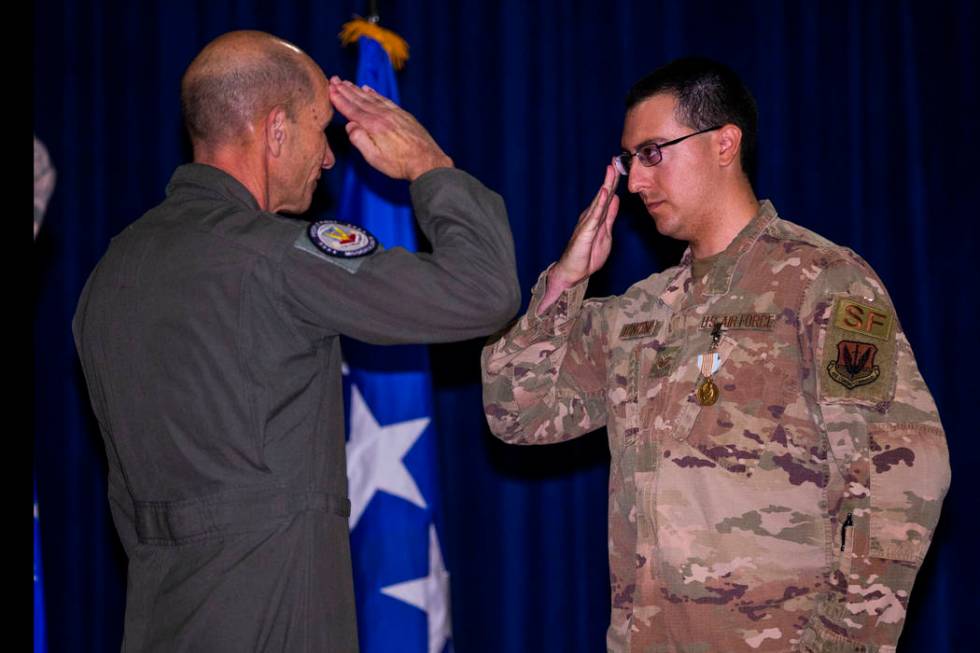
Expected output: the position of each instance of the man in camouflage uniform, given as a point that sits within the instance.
(778, 464)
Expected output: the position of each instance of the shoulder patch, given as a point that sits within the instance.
(341, 239)
(855, 364)
(339, 243)
(866, 320)
(858, 359)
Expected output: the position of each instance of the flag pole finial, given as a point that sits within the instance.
(394, 45)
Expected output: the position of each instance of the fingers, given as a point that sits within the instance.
(590, 209)
(357, 103)
(595, 215)
(367, 145)
(611, 214)
(609, 186)
(390, 138)
(588, 248)
(607, 191)
(611, 180)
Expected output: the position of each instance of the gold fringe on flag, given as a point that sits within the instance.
(394, 45)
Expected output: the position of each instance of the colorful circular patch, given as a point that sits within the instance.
(342, 239)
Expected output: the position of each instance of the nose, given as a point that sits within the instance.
(638, 177)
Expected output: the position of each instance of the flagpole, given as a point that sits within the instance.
(402, 586)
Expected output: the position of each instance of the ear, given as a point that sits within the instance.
(275, 130)
(729, 144)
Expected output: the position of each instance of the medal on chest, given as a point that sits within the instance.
(708, 363)
(707, 389)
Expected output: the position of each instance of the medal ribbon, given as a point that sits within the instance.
(709, 364)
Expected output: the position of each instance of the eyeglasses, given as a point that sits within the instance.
(649, 154)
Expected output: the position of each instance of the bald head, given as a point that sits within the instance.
(238, 78)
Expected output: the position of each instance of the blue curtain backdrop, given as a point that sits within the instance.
(868, 134)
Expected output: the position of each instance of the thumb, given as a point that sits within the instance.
(360, 139)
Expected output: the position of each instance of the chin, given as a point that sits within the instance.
(666, 226)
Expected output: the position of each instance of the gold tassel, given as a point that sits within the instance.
(394, 45)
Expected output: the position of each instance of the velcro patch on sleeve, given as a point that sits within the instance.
(351, 265)
(864, 320)
(858, 357)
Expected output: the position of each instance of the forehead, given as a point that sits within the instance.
(321, 95)
(651, 119)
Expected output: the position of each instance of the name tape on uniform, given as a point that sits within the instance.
(639, 329)
(736, 321)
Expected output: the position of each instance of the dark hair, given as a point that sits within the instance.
(708, 93)
(220, 101)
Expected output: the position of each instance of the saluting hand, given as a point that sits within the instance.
(590, 244)
(390, 139)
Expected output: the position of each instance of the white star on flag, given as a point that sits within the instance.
(374, 457)
(429, 594)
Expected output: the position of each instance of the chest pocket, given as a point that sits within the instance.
(737, 432)
(668, 380)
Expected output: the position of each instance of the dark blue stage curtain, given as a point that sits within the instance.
(868, 134)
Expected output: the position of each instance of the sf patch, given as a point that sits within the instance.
(867, 321)
(341, 239)
(858, 358)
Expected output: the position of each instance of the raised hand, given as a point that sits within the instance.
(390, 139)
(589, 246)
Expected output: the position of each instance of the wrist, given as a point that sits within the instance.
(440, 161)
(555, 285)
(560, 280)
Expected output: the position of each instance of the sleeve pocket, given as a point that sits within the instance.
(909, 477)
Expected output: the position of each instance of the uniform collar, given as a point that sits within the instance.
(718, 279)
(202, 180)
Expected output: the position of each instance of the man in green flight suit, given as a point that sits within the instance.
(209, 337)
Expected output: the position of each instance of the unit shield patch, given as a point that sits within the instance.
(341, 239)
(855, 364)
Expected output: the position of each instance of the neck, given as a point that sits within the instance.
(729, 216)
(242, 163)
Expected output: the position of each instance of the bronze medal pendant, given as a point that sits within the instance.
(707, 392)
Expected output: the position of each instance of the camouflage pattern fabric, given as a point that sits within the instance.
(793, 512)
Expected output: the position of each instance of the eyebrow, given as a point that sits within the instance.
(649, 141)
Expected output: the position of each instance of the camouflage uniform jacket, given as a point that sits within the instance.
(790, 515)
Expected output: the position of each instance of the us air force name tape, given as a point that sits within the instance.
(340, 243)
